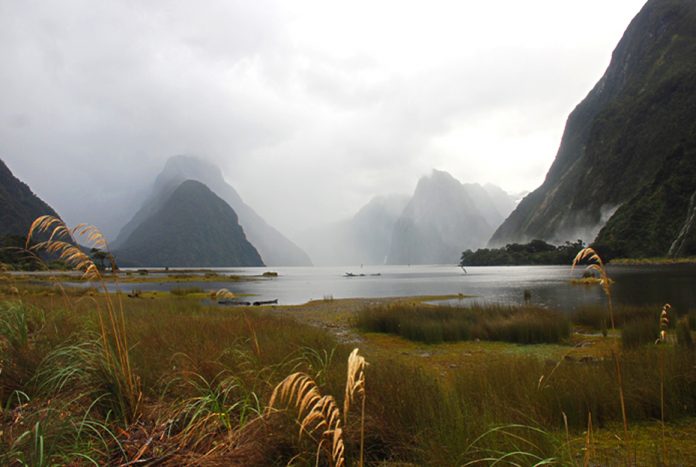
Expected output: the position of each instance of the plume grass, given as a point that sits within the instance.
(596, 264)
(62, 242)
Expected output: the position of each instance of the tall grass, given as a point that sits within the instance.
(596, 264)
(640, 332)
(524, 325)
(596, 317)
(62, 243)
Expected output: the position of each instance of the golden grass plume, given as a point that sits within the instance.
(664, 323)
(62, 243)
(223, 294)
(317, 413)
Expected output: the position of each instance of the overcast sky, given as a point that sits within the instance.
(309, 107)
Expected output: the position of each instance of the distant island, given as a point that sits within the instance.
(536, 252)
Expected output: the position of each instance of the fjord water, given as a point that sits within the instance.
(549, 285)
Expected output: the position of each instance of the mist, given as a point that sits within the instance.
(309, 109)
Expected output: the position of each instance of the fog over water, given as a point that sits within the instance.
(310, 107)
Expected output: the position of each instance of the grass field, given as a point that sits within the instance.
(206, 376)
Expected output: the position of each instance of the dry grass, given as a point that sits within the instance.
(355, 386)
(318, 415)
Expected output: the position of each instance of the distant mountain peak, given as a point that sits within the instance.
(444, 217)
(274, 247)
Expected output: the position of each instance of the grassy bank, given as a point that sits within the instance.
(206, 376)
(144, 276)
(653, 261)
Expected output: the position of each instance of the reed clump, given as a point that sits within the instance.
(183, 291)
(423, 323)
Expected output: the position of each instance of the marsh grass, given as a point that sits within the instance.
(203, 385)
(423, 323)
(641, 331)
(183, 291)
(595, 317)
(595, 264)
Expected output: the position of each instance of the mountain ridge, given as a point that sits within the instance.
(619, 136)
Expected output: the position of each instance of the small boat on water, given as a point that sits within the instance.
(256, 303)
(266, 302)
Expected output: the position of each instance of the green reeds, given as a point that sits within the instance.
(423, 323)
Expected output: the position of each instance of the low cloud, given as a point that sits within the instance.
(341, 99)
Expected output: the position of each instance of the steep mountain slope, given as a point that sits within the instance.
(19, 206)
(362, 239)
(192, 227)
(443, 218)
(637, 122)
(275, 249)
(659, 220)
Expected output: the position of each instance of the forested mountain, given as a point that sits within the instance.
(627, 157)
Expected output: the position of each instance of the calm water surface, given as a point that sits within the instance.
(549, 285)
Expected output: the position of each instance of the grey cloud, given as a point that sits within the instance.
(96, 95)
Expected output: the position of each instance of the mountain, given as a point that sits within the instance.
(19, 206)
(362, 239)
(191, 227)
(445, 217)
(275, 249)
(626, 159)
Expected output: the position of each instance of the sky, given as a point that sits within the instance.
(309, 107)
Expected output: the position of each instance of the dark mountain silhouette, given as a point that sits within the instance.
(275, 249)
(189, 227)
(19, 206)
